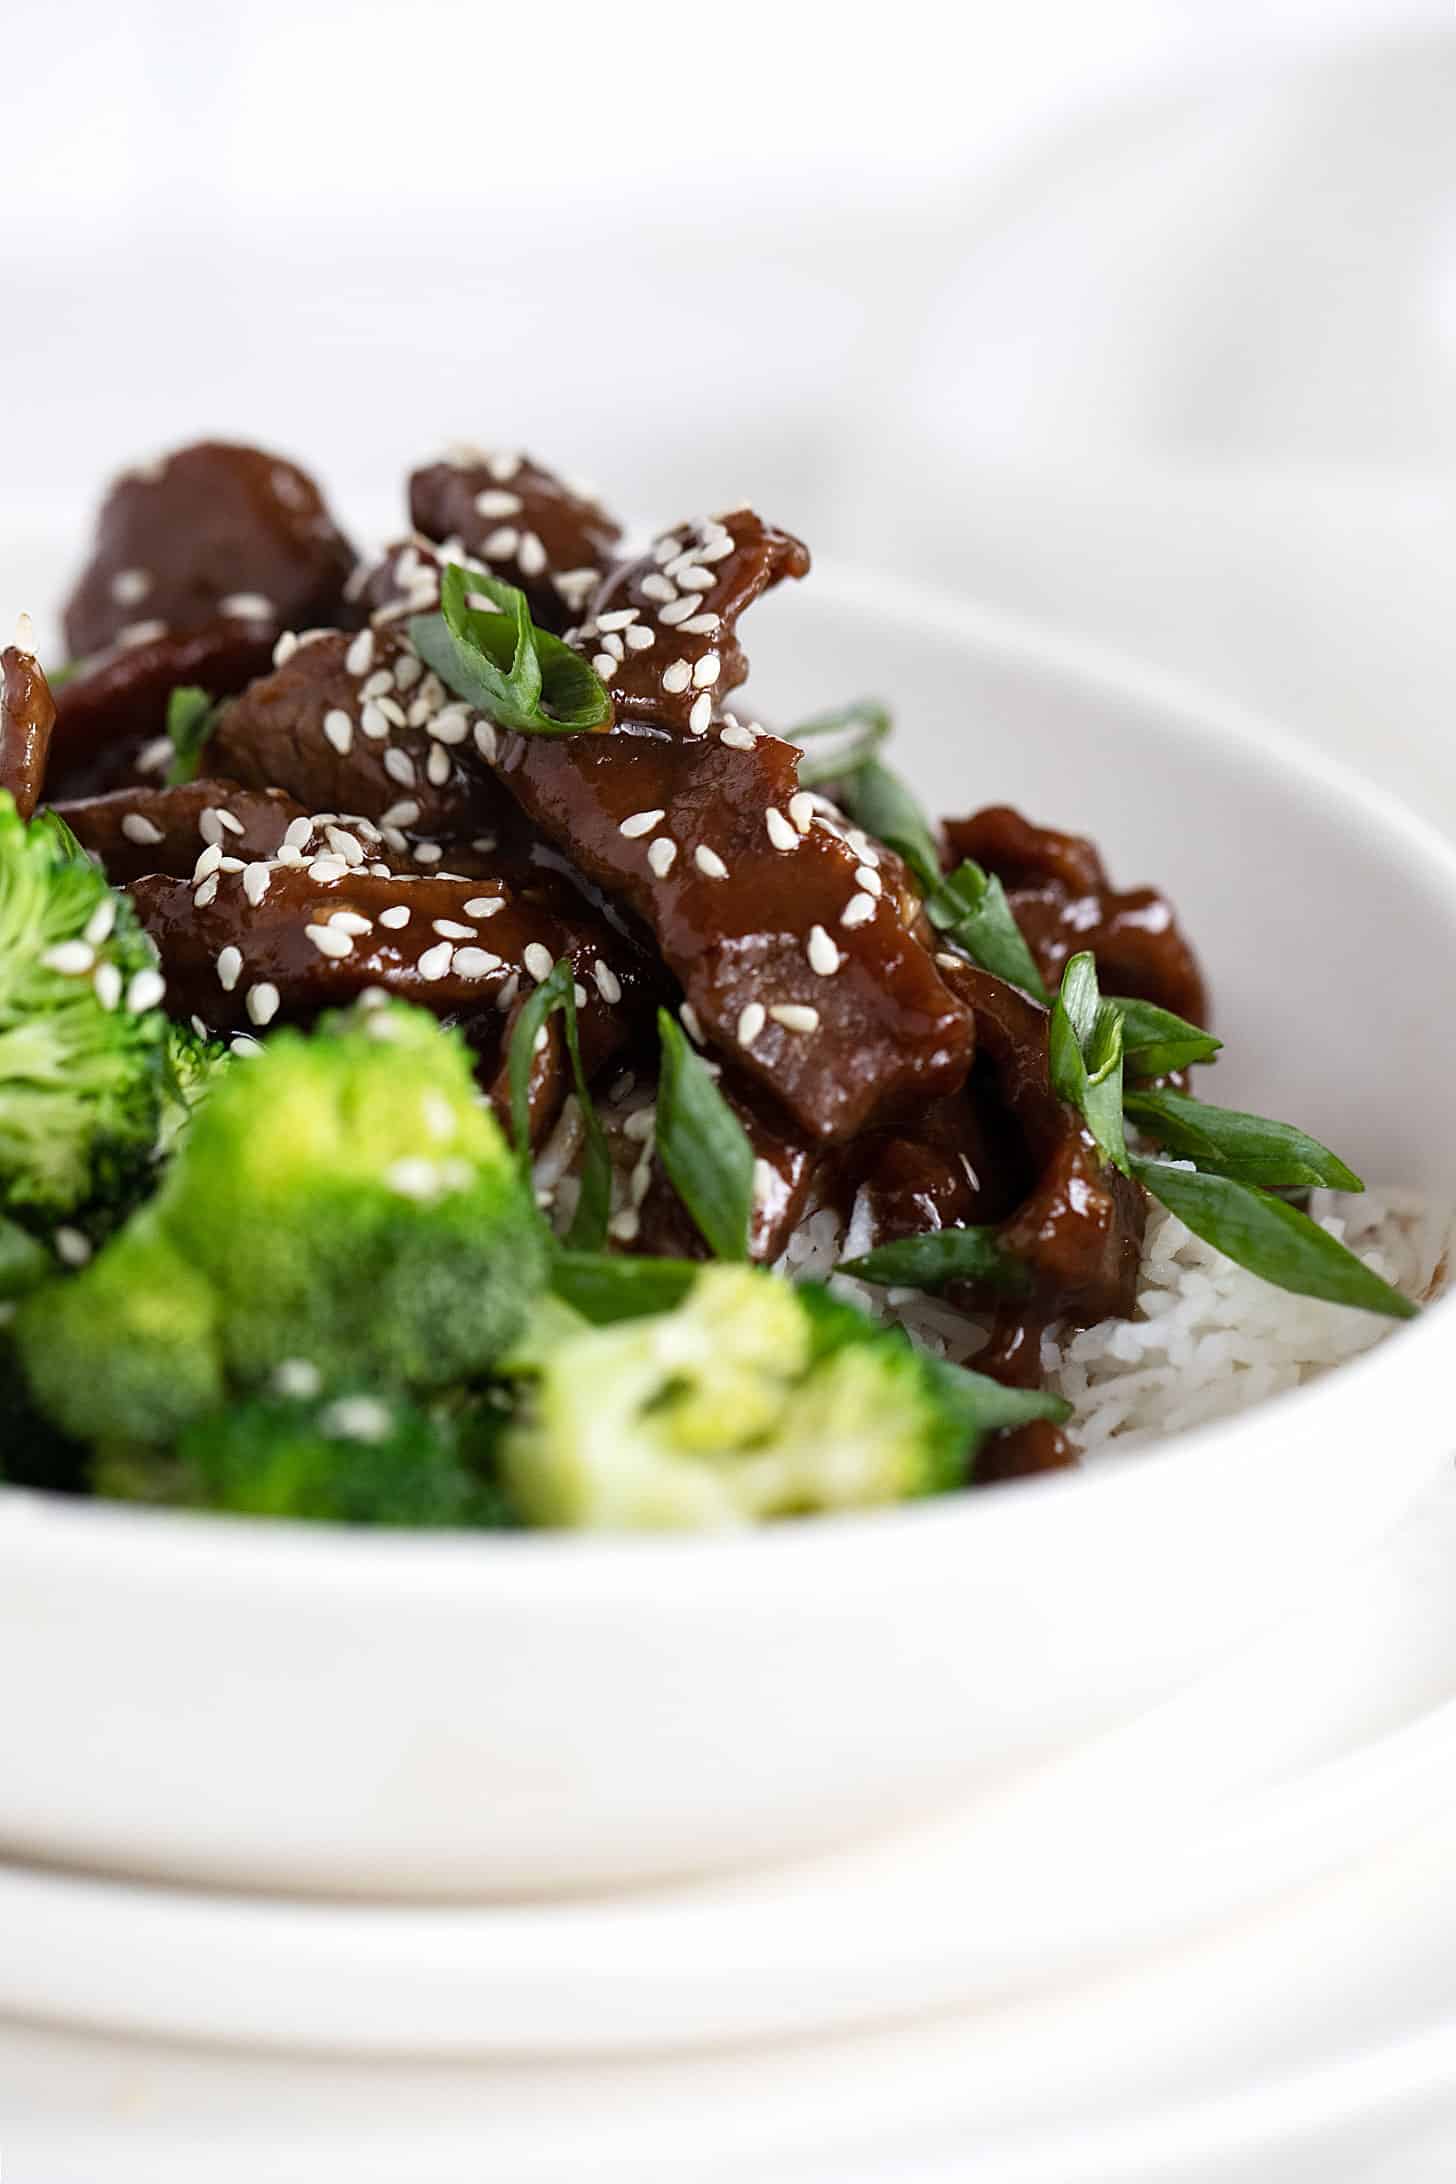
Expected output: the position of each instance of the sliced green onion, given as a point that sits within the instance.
(971, 909)
(605, 1287)
(1085, 1052)
(191, 718)
(1249, 1148)
(702, 1145)
(589, 1222)
(855, 733)
(944, 1255)
(1155, 1042)
(518, 675)
(879, 801)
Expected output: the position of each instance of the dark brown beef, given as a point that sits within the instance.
(521, 522)
(845, 1023)
(27, 716)
(111, 716)
(242, 949)
(1063, 901)
(661, 631)
(135, 831)
(358, 724)
(211, 530)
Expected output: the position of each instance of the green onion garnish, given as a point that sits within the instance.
(518, 675)
(1085, 1052)
(1249, 1148)
(702, 1145)
(589, 1222)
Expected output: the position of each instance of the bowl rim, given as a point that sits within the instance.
(209, 1548)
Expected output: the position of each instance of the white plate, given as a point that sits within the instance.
(250, 1705)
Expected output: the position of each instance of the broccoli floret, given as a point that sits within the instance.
(344, 1199)
(191, 1067)
(752, 1399)
(80, 1030)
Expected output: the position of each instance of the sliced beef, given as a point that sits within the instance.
(135, 831)
(1063, 901)
(772, 916)
(661, 632)
(27, 716)
(523, 523)
(111, 715)
(212, 530)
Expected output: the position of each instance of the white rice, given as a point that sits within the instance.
(1207, 1340)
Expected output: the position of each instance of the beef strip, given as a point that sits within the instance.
(520, 521)
(1063, 901)
(275, 941)
(661, 631)
(213, 529)
(27, 716)
(358, 723)
(135, 831)
(111, 716)
(771, 915)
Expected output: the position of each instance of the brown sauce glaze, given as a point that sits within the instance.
(27, 716)
(555, 542)
(213, 530)
(1063, 901)
(135, 831)
(111, 716)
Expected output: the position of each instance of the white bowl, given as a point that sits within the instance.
(289, 1706)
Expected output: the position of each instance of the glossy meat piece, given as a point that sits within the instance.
(111, 716)
(661, 631)
(1078, 1230)
(357, 723)
(211, 530)
(133, 831)
(1063, 901)
(280, 942)
(959, 1162)
(523, 523)
(27, 715)
(773, 918)
(787, 1165)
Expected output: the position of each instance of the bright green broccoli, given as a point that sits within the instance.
(80, 1030)
(344, 1199)
(751, 1399)
(191, 1066)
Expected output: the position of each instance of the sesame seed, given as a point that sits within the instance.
(869, 879)
(344, 844)
(262, 1003)
(676, 610)
(501, 544)
(530, 554)
(199, 1027)
(719, 543)
(229, 964)
(604, 665)
(624, 1225)
(676, 676)
(257, 879)
(207, 863)
(662, 855)
(950, 962)
(408, 669)
(141, 633)
(437, 766)
(801, 810)
(247, 606)
(751, 1022)
(824, 957)
(397, 915)
(106, 983)
(484, 906)
(537, 959)
(226, 819)
(494, 505)
(641, 822)
(156, 756)
(862, 846)
(374, 723)
(538, 1044)
(858, 910)
(427, 853)
(449, 930)
(339, 731)
(701, 715)
(694, 579)
(701, 625)
(474, 962)
(503, 467)
(506, 998)
(206, 894)
(393, 711)
(639, 639)
(414, 1178)
(608, 985)
(379, 684)
(360, 656)
(242, 1046)
(736, 737)
(129, 587)
(138, 829)
(145, 992)
(619, 618)
(285, 648)
(708, 861)
(795, 1016)
(485, 741)
(71, 958)
(435, 962)
(399, 766)
(707, 671)
(402, 814)
(72, 1248)
(763, 1181)
(299, 834)
(324, 871)
(451, 725)
(654, 586)
(328, 942)
(351, 921)
(688, 1016)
